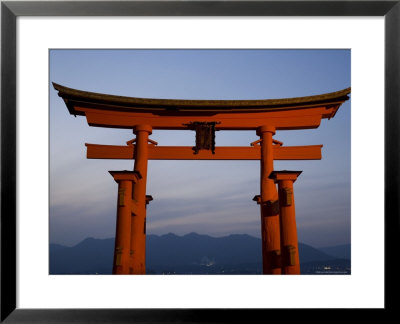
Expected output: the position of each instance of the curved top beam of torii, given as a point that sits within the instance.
(126, 112)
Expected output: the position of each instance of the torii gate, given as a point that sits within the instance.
(278, 225)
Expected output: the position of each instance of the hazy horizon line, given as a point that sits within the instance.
(182, 235)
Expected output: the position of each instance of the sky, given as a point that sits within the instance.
(207, 197)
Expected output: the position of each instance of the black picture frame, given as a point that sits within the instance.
(10, 10)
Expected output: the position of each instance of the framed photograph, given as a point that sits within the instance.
(74, 43)
(200, 197)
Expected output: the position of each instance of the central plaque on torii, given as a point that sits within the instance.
(265, 117)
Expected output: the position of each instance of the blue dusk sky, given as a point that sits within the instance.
(207, 197)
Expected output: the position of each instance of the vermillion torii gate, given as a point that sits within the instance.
(278, 225)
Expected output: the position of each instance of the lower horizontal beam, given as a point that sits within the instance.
(309, 152)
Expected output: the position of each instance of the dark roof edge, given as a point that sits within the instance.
(85, 96)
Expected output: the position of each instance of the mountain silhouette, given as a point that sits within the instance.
(188, 254)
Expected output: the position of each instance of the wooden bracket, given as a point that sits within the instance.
(130, 142)
(271, 207)
(286, 196)
(121, 197)
(290, 255)
(255, 142)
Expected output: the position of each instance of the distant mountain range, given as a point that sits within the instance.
(193, 254)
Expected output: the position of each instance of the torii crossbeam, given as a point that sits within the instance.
(310, 152)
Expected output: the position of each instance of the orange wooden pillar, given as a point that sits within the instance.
(270, 233)
(138, 224)
(289, 243)
(123, 228)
